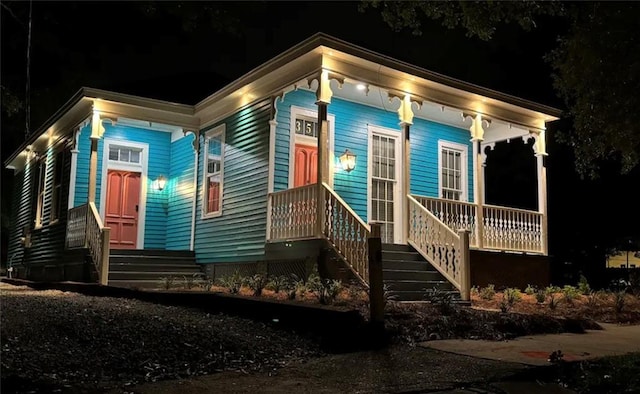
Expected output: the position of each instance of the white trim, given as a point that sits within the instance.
(218, 130)
(141, 167)
(399, 220)
(273, 124)
(73, 172)
(293, 138)
(464, 166)
(194, 200)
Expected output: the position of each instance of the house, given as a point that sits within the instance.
(624, 259)
(287, 164)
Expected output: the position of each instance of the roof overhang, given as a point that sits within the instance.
(110, 104)
(356, 63)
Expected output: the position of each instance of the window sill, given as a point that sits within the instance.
(211, 215)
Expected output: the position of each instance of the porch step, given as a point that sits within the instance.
(408, 277)
(149, 268)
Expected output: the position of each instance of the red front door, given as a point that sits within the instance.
(121, 213)
(305, 170)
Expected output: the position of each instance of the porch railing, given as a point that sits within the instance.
(291, 213)
(347, 232)
(447, 251)
(86, 230)
(502, 228)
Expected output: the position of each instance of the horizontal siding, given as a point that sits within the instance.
(155, 232)
(424, 155)
(82, 167)
(22, 212)
(351, 132)
(180, 190)
(239, 233)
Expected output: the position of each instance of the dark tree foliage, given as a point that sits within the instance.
(596, 64)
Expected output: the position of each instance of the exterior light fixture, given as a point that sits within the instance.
(348, 160)
(361, 86)
(160, 183)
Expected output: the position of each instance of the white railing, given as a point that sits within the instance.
(457, 215)
(291, 213)
(85, 230)
(502, 228)
(512, 229)
(447, 251)
(347, 232)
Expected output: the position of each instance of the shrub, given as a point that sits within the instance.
(530, 290)
(487, 293)
(475, 291)
(620, 300)
(387, 294)
(277, 283)
(206, 284)
(553, 301)
(541, 296)
(442, 299)
(190, 281)
(233, 283)
(593, 297)
(167, 282)
(634, 282)
(257, 283)
(570, 293)
(509, 298)
(292, 285)
(552, 289)
(583, 285)
(329, 291)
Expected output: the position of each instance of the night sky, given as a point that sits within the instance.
(148, 50)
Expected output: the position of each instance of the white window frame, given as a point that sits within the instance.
(42, 166)
(56, 206)
(399, 220)
(464, 167)
(123, 166)
(294, 139)
(216, 131)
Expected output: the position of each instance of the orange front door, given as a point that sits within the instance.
(121, 213)
(305, 170)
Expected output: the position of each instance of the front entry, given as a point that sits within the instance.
(122, 205)
(384, 183)
(305, 170)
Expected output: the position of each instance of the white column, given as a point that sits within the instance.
(540, 149)
(405, 115)
(323, 95)
(74, 168)
(477, 136)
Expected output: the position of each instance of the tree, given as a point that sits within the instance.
(596, 64)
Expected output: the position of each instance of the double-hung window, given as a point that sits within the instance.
(213, 172)
(452, 164)
(57, 186)
(41, 178)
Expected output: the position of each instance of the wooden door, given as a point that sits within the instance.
(305, 170)
(121, 213)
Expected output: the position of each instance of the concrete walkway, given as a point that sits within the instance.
(535, 350)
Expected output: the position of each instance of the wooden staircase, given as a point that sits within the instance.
(408, 276)
(148, 268)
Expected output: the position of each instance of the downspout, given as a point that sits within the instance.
(196, 146)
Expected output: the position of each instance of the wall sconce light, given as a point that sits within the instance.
(160, 183)
(348, 160)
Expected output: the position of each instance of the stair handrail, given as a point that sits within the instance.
(447, 251)
(97, 241)
(347, 232)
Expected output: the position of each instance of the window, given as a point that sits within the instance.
(213, 171)
(41, 177)
(57, 186)
(452, 162)
(124, 154)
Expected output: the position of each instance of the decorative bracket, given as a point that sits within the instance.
(483, 151)
(196, 134)
(97, 129)
(405, 112)
(539, 145)
(324, 93)
(476, 129)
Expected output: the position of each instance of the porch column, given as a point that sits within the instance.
(477, 136)
(405, 115)
(97, 131)
(323, 99)
(540, 150)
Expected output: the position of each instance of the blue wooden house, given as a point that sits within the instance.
(292, 161)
